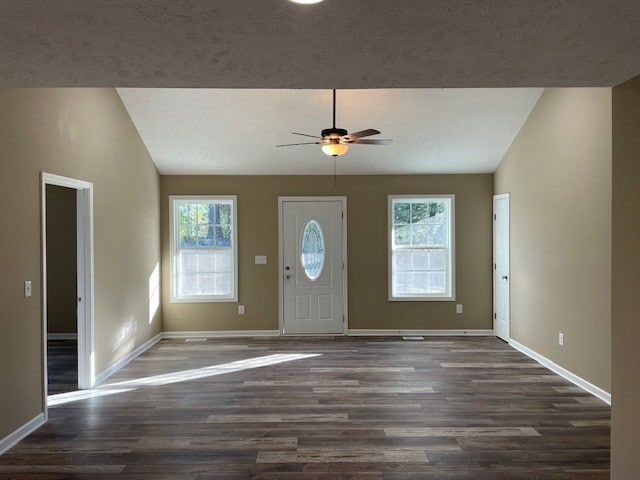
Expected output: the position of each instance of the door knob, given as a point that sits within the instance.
(287, 276)
(504, 277)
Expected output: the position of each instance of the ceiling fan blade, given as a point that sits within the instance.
(362, 133)
(305, 135)
(304, 143)
(380, 141)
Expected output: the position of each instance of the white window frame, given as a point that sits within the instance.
(450, 294)
(174, 298)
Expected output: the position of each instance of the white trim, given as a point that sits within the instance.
(127, 358)
(173, 298)
(563, 372)
(447, 297)
(85, 281)
(62, 336)
(345, 275)
(384, 332)
(221, 334)
(27, 429)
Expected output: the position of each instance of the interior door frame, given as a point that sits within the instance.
(281, 202)
(501, 196)
(85, 282)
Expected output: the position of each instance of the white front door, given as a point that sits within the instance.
(501, 266)
(312, 266)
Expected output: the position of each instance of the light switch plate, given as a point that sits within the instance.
(27, 288)
(261, 259)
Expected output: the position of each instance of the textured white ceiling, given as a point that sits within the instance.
(336, 43)
(220, 131)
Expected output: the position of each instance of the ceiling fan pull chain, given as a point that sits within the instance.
(334, 171)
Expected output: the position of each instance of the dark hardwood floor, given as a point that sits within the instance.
(62, 366)
(323, 408)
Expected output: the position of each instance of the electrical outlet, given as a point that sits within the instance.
(561, 339)
(459, 308)
(240, 309)
(27, 288)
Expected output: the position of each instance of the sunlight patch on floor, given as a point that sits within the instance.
(182, 376)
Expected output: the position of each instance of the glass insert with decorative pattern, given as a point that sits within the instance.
(312, 250)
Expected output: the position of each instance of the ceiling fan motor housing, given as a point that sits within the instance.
(331, 133)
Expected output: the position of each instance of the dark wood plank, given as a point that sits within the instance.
(324, 408)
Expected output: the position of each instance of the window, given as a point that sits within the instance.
(204, 255)
(421, 247)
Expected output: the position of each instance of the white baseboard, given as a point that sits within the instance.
(383, 332)
(563, 372)
(126, 359)
(31, 426)
(221, 334)
(62, 336)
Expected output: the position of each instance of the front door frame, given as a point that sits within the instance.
(85, 308)
(281, 202)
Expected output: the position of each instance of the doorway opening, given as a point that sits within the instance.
(67, 285)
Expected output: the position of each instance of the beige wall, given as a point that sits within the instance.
(61, 260)
(625, 431)
(84, 134)
(558, 171)
(367, 250)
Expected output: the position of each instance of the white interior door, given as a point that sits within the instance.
(312, 266)
(501, 266)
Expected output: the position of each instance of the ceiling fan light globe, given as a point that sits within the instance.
(335, 149)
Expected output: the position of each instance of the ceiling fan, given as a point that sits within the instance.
(336, 141)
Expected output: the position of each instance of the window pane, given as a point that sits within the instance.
(401, 260)
(188, 262)
(187, 284)
(401, 212)
(222, 261)
(419, 212)
(437, 282)
(223, 214)
(402, 235)
(419, 236)
(205, 284)
(420, 283)
(420, 260)
(437, 259)
(437, 235)
(205, 262)
(401, 283)
(222, 284)
(223, 236)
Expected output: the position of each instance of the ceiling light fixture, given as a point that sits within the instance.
(335, 148)
(336, 141)
(306, 2)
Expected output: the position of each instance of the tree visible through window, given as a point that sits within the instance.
(421, 247)
(203, 248)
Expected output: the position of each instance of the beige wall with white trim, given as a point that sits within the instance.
(625, 413)
(369, 307)
(84, 134)
(558, 171)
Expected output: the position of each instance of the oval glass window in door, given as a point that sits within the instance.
(312, 250)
